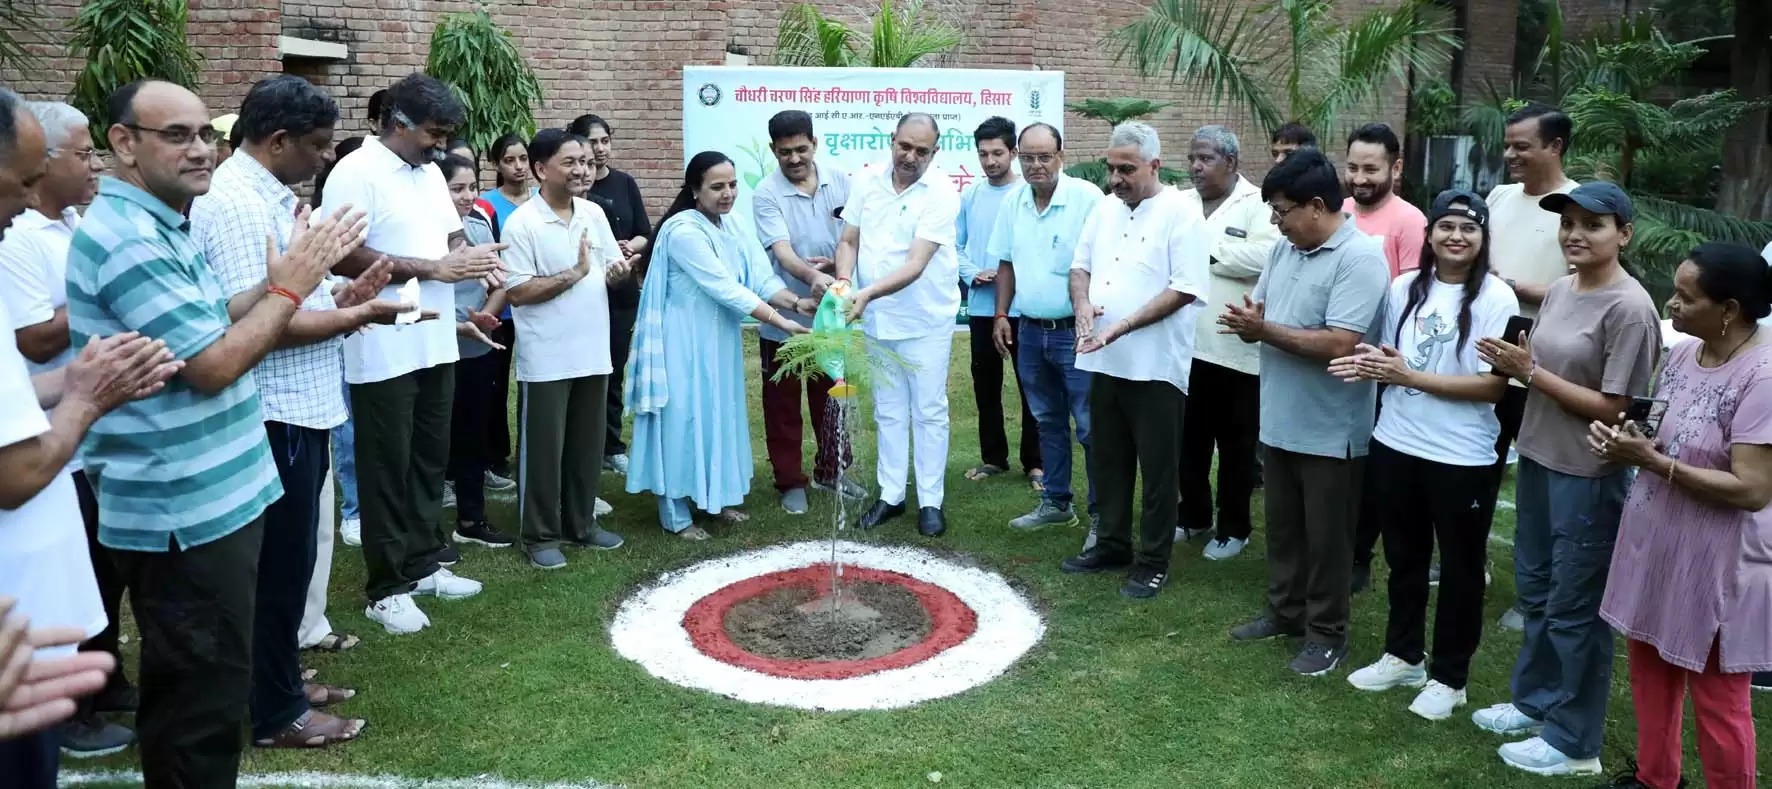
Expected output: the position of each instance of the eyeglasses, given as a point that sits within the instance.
(1280, 213)
(83, 154)
(1037, 158)
(180, 136)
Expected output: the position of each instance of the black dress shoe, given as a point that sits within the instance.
(880, 513)
(1096, 560)
(931, 523)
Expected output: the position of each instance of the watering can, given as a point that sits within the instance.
(829, 320)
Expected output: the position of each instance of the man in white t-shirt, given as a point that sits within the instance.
(1524, 250)
(402, 377)
(1139, 274)
(898, 244)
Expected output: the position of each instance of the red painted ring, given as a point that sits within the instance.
(951, 623)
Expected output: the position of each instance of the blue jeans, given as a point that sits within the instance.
(1565, 530)
(1054, 387)
(344, 460)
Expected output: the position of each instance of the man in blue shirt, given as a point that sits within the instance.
(1033, 241)
(979, 206)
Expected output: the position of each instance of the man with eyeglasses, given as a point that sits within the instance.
(33, 286)
(183, 476)
(1033, 241)
(1317, 297)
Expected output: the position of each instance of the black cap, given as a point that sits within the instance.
(1474, 208)
(1600, 197)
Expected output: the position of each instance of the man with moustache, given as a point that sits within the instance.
(33, 287)
(1224, 406)
(796, 209)
(1374, 165)
(286, 126)
(184, 476)
(979, 204)
(899, 246)
(1034, 243)
(402, 378)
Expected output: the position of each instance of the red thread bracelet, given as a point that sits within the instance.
(285, 293)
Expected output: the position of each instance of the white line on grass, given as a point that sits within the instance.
(313, 780)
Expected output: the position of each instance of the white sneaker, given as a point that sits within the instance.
(447, 585)
(1541, 758)
(1513, 620)
(601, 509)
(1506, 719)
(1218, 550)
(1436, 701)
(398, 614)
(617, 464)
(448, 495)
(1389, 672)
(350, 531)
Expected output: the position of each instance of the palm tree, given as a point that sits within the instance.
(1114, 112)
(1287, 59)
(897, 38)
(14, 18)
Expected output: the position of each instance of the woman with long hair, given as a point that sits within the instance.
(1593, 348)
(1432, 450)
(686, 391)
(512, 184)
(1691, 577)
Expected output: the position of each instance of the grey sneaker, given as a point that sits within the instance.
(616, 463)
(448, 495)
(496, 482)
(794, 501)
(842, 485)
(1318, 658)
(1261, 627)
(93, 737)
(1513, 620)
(601, 539)
(1047, 514)
(1094, 526)
(547, 559)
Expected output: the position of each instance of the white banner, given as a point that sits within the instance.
(854, 111)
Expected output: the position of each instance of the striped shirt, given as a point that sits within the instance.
(182, 467)
(246, 204)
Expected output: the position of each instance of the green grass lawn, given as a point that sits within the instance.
(520, 682)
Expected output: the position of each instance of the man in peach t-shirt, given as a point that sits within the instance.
(1374, 164)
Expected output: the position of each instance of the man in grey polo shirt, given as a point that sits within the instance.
(796, 211)
(1317, 298)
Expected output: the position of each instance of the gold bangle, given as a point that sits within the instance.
(1672, 463)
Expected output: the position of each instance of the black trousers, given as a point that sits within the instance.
(110, 592)
(1367, 527)
(1223, 412)
(31, 761)
(194, 609)
(496, 440)
(285, 565)
(476, 401)
(621, 336)
(1510, 411)
(1450, 497)
(1135, 426)
(987, 392)
(402, 446)
(1310, 536)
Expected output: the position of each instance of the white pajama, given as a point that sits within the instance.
(313, 616)
(912, 405)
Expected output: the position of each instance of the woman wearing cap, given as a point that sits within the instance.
(1433, 450)
(1593, 348)
(1691, 579)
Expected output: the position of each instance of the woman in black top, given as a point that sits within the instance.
(619, 196)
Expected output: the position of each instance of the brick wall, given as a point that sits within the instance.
(623, 59)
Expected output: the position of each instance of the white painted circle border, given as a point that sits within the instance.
(648, 629)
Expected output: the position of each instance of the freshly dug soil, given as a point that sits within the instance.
(797, 622)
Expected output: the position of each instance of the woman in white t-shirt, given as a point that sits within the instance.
(1433, 450)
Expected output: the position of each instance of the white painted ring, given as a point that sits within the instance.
(648, 629)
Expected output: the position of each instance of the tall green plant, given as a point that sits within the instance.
(899, 36)
(480, 62)
(1287, 59)
(123, 41)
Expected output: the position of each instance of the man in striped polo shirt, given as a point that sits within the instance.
(183, 477)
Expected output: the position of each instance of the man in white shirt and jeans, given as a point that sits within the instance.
(402, 377)
(1137, 281)
(899, 246)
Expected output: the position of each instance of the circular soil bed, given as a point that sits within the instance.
(798, 622)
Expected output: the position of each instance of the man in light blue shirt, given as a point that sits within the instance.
(1034, 240)
(979, 207)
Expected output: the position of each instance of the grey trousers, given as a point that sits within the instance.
(560, 459)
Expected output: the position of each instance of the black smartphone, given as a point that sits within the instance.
(1646, 412)
(1515, 326)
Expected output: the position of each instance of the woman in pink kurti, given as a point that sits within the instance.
(1691, 578)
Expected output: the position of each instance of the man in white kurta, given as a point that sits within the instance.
(899, 249)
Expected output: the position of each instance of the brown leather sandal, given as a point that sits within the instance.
(314, 730)
(320, 695)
